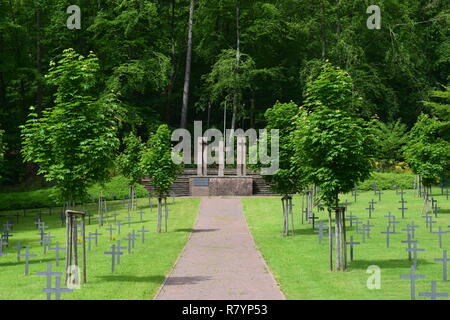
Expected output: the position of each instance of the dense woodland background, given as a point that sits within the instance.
(142, 47)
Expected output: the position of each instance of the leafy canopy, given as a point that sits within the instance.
(128, 163)
(74, 142)
(333, 149)
(157, 161)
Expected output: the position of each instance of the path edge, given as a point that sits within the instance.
(181, 253)
(269, 270)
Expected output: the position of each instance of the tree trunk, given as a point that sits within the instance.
(39, 87)
(341, 256)
(330, 240)
(158, 227)
(174, 68)
(322, 29)
(236, 70)
(187, 74)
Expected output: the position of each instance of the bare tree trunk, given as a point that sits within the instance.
(187, 74)
(322, 29)
(238, 62)
(174, 68)
(158, 227)
(39, 88)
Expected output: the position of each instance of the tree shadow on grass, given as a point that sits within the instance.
(196, 230)
(308, 231)
(123, 278)
(22, 261)
(388, 263)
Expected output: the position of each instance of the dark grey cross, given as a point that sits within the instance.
(49, 274)
(115, 215)
(414, 250)
(17, 217)
(100, 220)
(130, 240)
(447, 193)
(370, 209)
(379, 193)
(444, 261)
(47, 241)
(355, 193)
(346, 203)
(118, 248)
(113, 254)
(27, 256)
(403, 208)
(5, 238)
(351, 218)
(413, 227)
(1, 248)
(321, 230)
(435, 207)
(118, 224)
(375, 188)
(7, 226)
(18, 247)
(57, 248)
(409, 242)
(57, 290)
(393, 222)
(89, 242)
(440, 233)
(357, 222)
(396, 189)
(134, 235)
(141, 213)
(95, 235)
(401, 193)
(412, 277)
(351, 243)
(313, 218)
(110, 229)
(433, 294)
(363, 234)
(387, 232)
(143, 231)
(129, 218)
(429, 221)
(368, 227)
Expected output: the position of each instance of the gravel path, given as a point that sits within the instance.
(220, 261)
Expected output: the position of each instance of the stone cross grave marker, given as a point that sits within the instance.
(352, 217)
(414, 250)
(57, 290)
(113, 254)
(1, 248)
(118, 248)
(27, 257)
(110, 229)
(130, 239)
(412, 276)
(129, 218)
(95, 235)
(313, 219)
(375, 188)
(49, 274)
(18, 247)
(47, 241)
(355, 193)
(379, 193)
(351, 243)
(444, 261)
(433, 294)
(57, 248)
(89, 238)
(440, 233)
(134, 235)
(387, 232)
(118, 224)
(5, 237)
(368, 227)
(403, 208)
(429, 221)
(409, 242)
(115, 215)
(143, 231)
(321, 230)
(141, 213)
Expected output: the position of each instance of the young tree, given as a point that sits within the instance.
(427, 152)
(332, 146)
(74, 142)
(284, 181)
(129, 164)
(158, 165)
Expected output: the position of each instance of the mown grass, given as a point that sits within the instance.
(301, 265)
(139, 275)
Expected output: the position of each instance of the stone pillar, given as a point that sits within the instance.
(202, 156)
(240, 167)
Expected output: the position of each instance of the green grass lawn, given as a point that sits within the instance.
(300, 264)
(139, 274)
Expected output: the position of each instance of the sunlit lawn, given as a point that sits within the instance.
(300, 264)
(139, 274)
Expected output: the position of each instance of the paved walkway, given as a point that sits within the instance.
(220, 260)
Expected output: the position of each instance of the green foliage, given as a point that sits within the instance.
(74, 142)
(389, 141)
(383, 181)
(281, 117)
(427, 153)
(128, 163)
(157, 161)
(333, 149)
